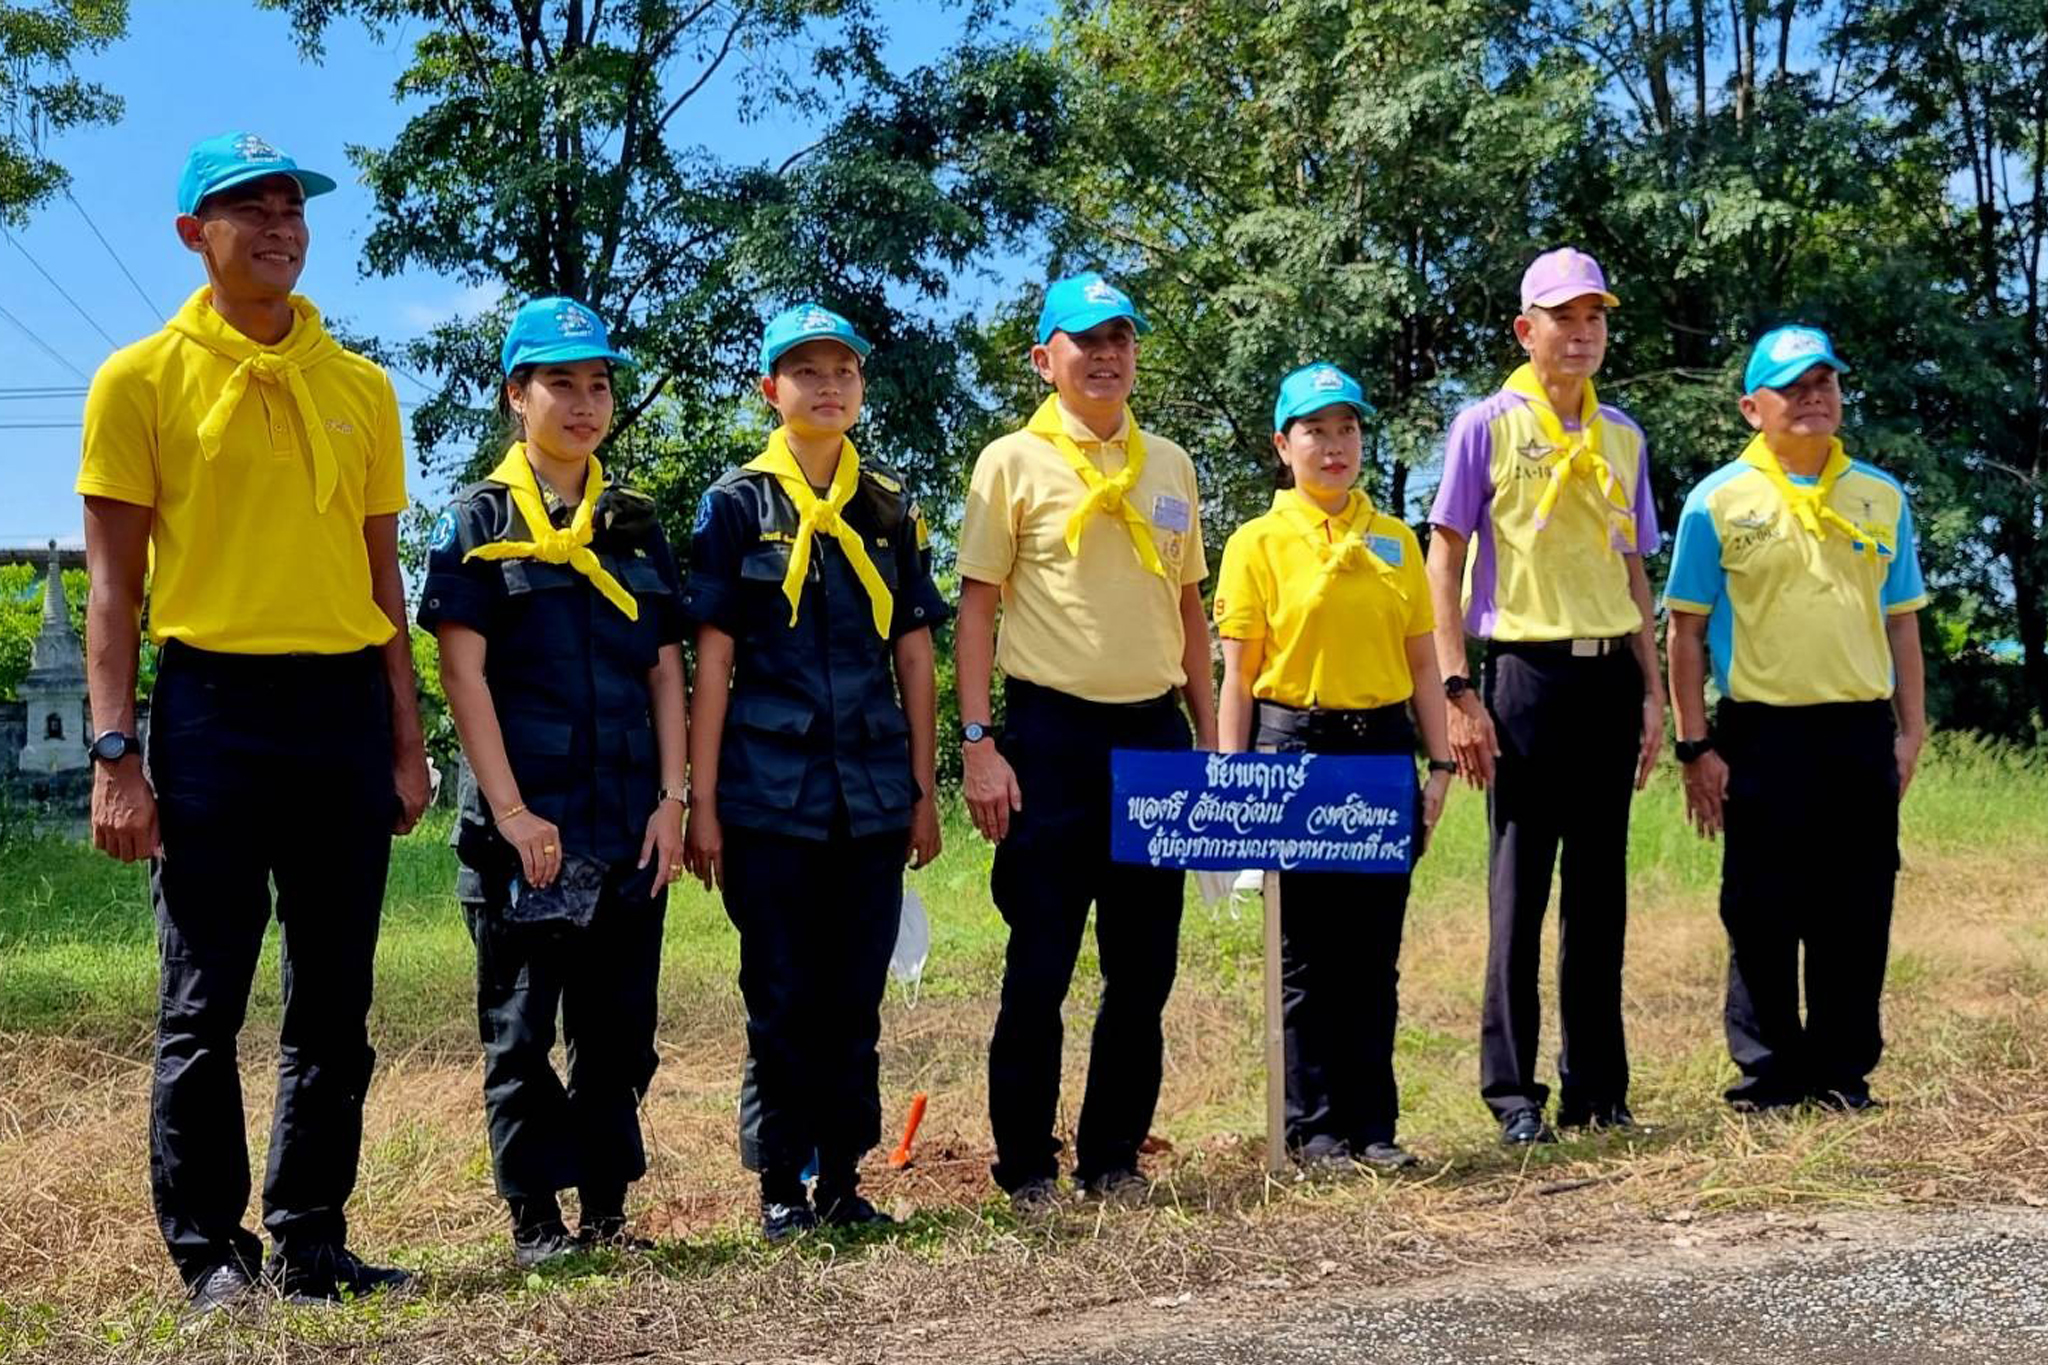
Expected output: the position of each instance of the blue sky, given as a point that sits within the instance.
(191, 69)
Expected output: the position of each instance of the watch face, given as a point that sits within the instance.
(974, 732)
(110, 746)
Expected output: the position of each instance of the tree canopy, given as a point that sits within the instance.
(40, 95)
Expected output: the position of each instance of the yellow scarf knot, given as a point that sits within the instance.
(1350, 550)
(282, 366)
(1575, 453)
(821, 516)
(548, 543)
(1105, 493)
(1808, 503)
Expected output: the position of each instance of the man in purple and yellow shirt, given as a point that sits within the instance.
(1549, 490)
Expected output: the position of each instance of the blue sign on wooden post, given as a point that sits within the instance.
(1292, 812)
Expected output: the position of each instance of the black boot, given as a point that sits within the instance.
(538, 1233)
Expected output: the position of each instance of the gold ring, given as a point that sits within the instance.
(547, 848)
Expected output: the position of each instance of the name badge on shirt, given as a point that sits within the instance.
(1387, 548)
(1170, 513)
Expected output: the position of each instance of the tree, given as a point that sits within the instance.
(39, 95)
(553, 157)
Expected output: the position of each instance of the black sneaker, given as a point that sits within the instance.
(607, 1233)
(331, 1275)
(1324, 1155)
(1386, 1156)
(1525, 1128)
(850, 1210)
(223, 1289)
(1123, 1187)
(781, 1222)
(537, 1245)
(1035, 1199)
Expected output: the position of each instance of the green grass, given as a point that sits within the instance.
(78, 955)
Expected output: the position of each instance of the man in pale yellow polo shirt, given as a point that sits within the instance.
(1086, 532)
(264, 468)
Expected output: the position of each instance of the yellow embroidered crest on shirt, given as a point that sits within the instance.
(1333, 597)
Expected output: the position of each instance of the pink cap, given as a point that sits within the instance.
(1563, 275)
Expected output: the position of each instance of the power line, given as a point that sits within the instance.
(40, 426)
(140, 292)
(75, 304)
(47, 396)
(48, 349)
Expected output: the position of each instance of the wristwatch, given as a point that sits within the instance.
(1443, 765)
(1691, 750)
(111, 746)
(973, 732)
(1456, 686)
(679, 795)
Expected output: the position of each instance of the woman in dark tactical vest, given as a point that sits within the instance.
(558, 609)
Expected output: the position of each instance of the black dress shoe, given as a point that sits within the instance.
(223, 1289)
(780, 1222)
(331, 1275)
(1525, 1127)
(850, 1210)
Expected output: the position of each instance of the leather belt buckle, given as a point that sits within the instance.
(1587, 649)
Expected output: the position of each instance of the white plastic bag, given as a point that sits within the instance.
(913, 946)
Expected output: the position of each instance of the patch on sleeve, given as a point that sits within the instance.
(702, 521)
(444, 530)
(1170, 513)
(923, 532)
(1387, 548)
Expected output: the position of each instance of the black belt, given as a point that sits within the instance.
(1594, 647)
(223, 666)
(1017, 689)
(1378, 722)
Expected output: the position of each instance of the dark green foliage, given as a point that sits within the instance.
(39, 95)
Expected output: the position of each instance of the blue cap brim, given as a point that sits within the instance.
(1095, 317)
(311, 183)
(563, 352)
(1363, 409)
(860, 347)
(1787, 371)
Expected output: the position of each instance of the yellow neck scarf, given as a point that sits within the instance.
(283, 365)
(570, 545)
(1350, 549)
(1106, 495)
(1574, 452)
(1809, 502)
(815, 514)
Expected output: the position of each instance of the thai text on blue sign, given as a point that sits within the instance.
(1295, 812)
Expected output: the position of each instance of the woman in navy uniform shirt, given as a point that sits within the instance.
(811, 767)
(557, 605)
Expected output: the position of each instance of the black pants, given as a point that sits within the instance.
(601, 979)
(1570, 731)
(1051, 867)
(1340, 948)
(267, 769)
(817, 921)
(1809, 858)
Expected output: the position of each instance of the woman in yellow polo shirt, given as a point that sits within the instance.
(1325, 619)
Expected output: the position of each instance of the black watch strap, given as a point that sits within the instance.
(1443, 765)
(974, 732)
(1456, 686)
(1692, 750)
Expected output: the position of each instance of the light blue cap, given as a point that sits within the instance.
(1082, 301)
(554, 331)
(807, 322)
(234, 159)
(1313, 388)
(1783, 354)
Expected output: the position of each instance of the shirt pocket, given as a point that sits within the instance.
(765, 750)
(540, 749)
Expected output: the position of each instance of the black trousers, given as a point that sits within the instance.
(601, 979)
(268, 770)
(1810, 856)
(1340, 949)
(817, 920)
(1570, 731)
(1049, 869)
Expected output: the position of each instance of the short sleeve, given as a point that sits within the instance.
(1468, 478)
(988, 528)
(384, 480)
(458, 591)
(1904, 589)
(1194, 563)
(118, 453)
(1648, 537)
(711, 594)
(1415, 582)
(918, 603)
(1697, 578)
(1240, 607)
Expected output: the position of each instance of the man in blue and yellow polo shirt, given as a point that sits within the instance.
(1549, 489)
(1796, 569)
(260, 469)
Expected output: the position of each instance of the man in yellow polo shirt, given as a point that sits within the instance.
(1550, 490)
(259, 468)
(1087, 533)
(1796, 568)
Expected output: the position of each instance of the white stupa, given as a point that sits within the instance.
(54, 690)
